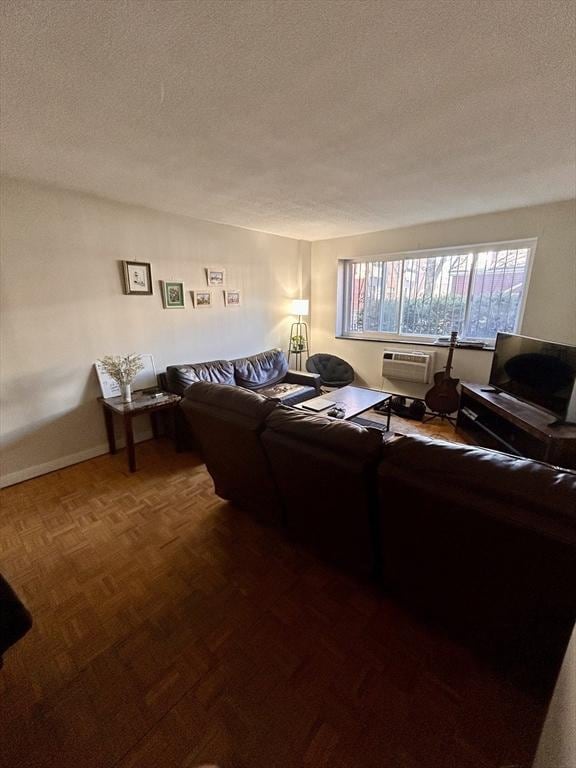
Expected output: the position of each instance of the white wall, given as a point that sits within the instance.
(551, 301)
(62, 303)
(557, 746)
(63, 307)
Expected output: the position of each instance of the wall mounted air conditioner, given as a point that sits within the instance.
(408, 366)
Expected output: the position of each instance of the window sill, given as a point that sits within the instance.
(413, 343)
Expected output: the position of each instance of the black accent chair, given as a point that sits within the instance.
(333, 371)
(15, 619)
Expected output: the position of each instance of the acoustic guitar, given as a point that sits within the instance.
(443, 397)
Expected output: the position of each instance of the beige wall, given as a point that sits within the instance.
(62, 303)
(550, 311)
(62, 308)
(557, 746)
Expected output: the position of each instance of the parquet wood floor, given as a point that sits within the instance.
(171, 630)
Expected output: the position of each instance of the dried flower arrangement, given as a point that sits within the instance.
(122, 368)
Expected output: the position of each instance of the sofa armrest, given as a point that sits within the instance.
(303, 377)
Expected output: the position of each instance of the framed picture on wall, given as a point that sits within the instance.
(137, 278)
(232, 298)
(172, 294)
(201, 299)
(215, 276)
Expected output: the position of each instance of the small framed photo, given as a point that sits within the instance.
(215, 276)
(172, 294)
(232, 298)
(137, 278)
(201, 299)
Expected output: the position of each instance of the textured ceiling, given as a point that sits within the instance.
(310, 118)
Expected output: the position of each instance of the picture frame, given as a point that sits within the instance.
(172, 294)
(137, 278)
(201, 299)
(215, 276)
(145, 378)
(232, 298)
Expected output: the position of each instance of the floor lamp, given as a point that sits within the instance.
(298, 344)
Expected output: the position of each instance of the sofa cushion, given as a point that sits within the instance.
(518, 490)
(483, 543)
(226, 422)
(262, 370)
(179, 377)
(233, 399)
(326, 472)
(344, 437)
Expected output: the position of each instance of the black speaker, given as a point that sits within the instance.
(416, 410)
(398, 405)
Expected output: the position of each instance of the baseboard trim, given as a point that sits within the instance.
(61, 463)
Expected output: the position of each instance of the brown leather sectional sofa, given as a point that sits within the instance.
(480, 542)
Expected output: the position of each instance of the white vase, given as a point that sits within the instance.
(126, 392)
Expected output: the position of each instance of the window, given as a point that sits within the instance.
(475, 290)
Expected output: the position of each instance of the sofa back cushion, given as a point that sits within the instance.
(519, 491)
(261, 370)
(481, 541)
(326, 470)
(180, 377)
(226, 422)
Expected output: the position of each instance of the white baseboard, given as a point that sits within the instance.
(64, 461)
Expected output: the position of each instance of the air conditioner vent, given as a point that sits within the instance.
(408, 366)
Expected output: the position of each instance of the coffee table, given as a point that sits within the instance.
(354, 400)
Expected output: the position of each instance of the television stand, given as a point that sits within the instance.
(498, 420)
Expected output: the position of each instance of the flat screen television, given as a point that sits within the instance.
(542, 373)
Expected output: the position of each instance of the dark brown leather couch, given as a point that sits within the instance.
(226, 422)
(483, 543)
(15, 620)
(266, 373)
(325, 471)
(480, 542)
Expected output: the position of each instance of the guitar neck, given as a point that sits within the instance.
(449, 360)
(451, 353)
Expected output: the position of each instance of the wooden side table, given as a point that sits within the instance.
(141, 404)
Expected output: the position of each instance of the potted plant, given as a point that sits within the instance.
(298, 343)
(123, 369)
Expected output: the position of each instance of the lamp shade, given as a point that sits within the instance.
(300, 306)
